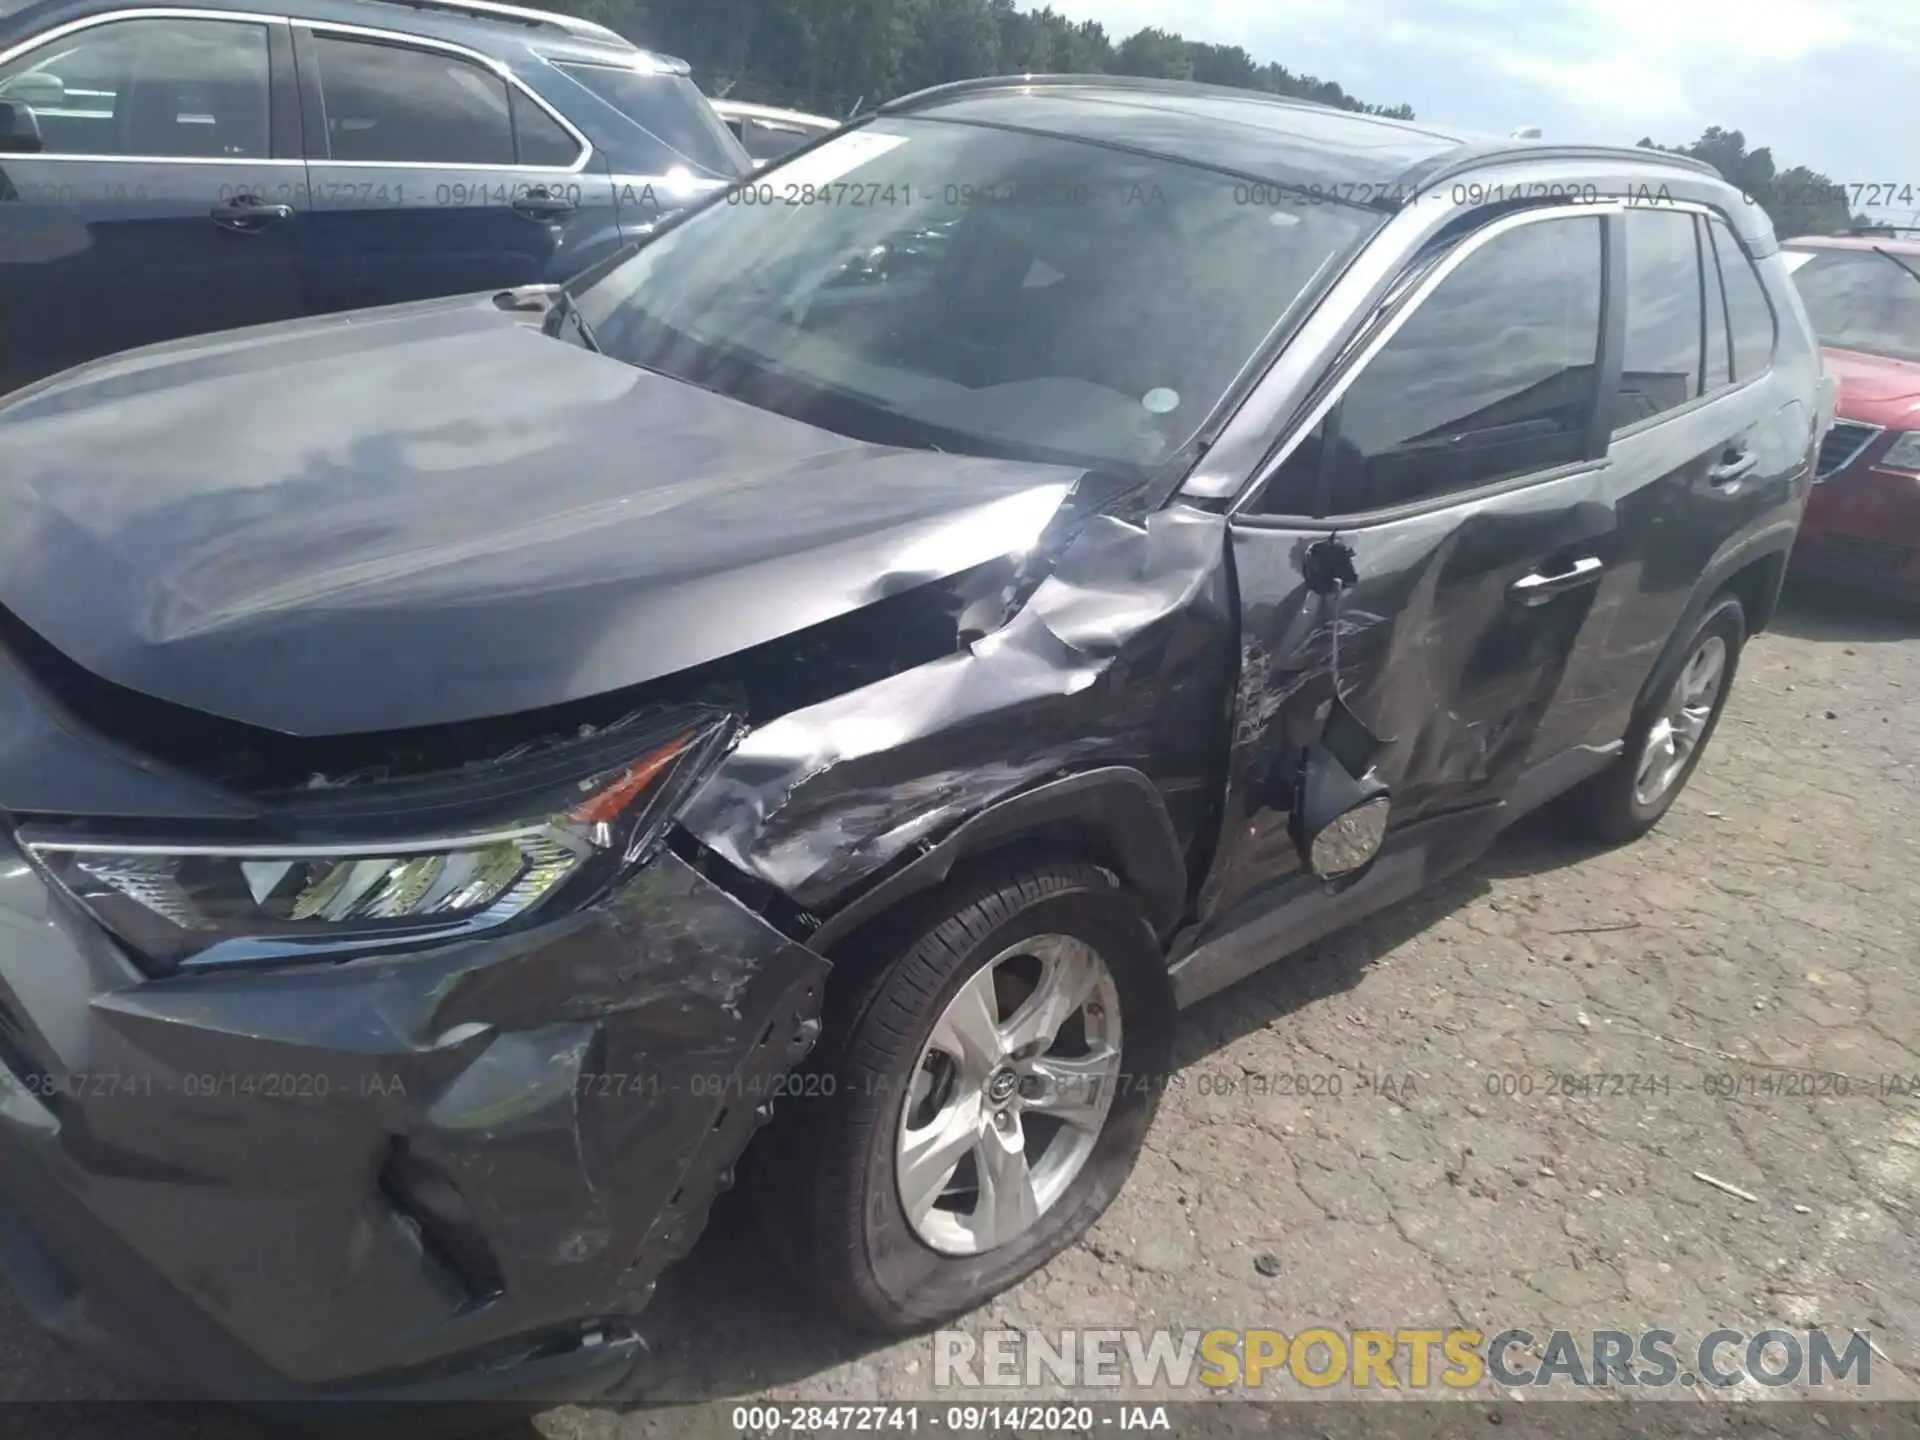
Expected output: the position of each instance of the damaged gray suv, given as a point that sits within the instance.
(837, 676)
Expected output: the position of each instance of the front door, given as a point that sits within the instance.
(1460, 461)
(434, 172)
(167, 197)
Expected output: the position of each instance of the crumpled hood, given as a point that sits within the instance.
(433, 512)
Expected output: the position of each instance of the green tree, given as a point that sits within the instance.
(1226, 65)
(1154, 53)
(954, 40)
(1798, 201)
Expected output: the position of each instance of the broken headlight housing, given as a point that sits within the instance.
(580, 818)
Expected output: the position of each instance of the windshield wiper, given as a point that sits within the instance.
(1898, 261)
(566, 314)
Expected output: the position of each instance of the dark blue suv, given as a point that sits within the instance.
(171, 170)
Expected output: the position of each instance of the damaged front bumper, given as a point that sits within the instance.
(449, 1174)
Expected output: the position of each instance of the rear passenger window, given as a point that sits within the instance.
(539, 139)
(1660, 367)
(1492, 376)
(1719, 362)
(391, 103)
(1748, 313)
(667, 107)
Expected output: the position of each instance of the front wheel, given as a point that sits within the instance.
(991, 1087)
(1668, 737)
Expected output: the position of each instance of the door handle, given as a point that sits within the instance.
(1732, 468)
(1540, 587)
(542, 203)
(247, 213)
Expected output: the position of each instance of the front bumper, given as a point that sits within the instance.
(445, 1175)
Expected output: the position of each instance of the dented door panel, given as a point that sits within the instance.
(1436, 655)
(1120, 656)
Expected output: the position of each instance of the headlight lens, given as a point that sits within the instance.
(1904, 453)
(218, 904)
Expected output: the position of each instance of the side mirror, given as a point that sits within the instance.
(36, 88)
(1339, 820)
(19, 130)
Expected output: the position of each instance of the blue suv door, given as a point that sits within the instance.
(434, 171)
(166, 195)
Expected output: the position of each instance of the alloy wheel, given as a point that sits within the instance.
(1677, 730)
(1008, 1097)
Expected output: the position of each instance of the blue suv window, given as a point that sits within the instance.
(394, 103)
(667, 107)
(187, 89)
(538, 138)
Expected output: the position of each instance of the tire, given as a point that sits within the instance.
(1612, 808)
(827, 1183)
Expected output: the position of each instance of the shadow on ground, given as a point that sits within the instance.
(1818, 610)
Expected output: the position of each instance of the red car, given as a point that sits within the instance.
(1862, 525)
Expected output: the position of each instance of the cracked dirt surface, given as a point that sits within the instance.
(1769, 928)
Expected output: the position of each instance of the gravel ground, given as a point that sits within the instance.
(1770, 926)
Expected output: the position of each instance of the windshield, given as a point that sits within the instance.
(668, 107)
(941, 285)
(1860, 300)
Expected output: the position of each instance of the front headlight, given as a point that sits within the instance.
(1903, 454)
(196, 905)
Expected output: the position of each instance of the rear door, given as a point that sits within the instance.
(434, 171)
(169, 196)
(1459, 456)
(1692, 460)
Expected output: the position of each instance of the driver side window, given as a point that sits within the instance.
(1494, 375)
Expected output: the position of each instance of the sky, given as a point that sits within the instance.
(1830, 84)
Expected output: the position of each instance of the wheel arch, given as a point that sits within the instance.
(1752, 574)
(1114, 816)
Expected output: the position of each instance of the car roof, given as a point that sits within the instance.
(1898, 244)
(1357, 155)
(489, 26)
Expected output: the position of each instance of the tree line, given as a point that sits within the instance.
(833, 56)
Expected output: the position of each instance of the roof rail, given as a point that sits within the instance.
(935, 94)
(522, 15)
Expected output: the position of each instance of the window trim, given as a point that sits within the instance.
(1355, 362)
(403, 41)
(1703, 240)
(1733, 348)
(158, 12)
(1708, 214)
(1646, 422)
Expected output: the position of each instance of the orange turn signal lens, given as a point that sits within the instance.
(609, 803)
